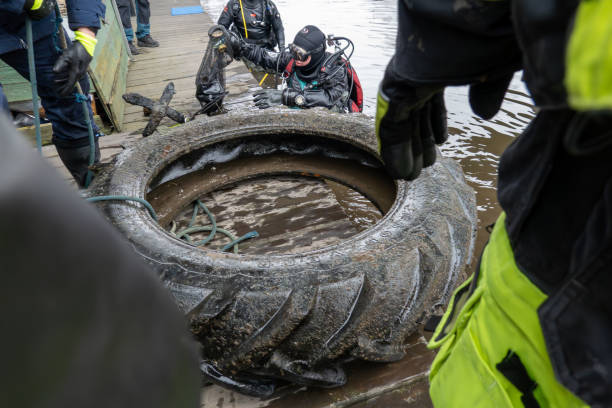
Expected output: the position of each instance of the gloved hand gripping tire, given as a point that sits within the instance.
(72, 64)
(408, 130)
(38, 9)
(266, 98)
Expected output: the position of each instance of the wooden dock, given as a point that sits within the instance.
(183, 40)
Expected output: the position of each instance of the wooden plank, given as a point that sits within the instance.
(117, 103)
(15, 87)
(46, 132)
(108, 70)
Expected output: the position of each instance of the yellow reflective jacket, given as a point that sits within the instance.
(588, 77)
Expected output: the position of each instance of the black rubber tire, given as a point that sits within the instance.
(295, 316)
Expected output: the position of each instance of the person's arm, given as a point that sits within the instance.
(439, 44)
(269, 60)
(226, 18)
(85, 13)
(84, 19)
(277, 26)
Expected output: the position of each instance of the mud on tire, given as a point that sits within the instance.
(296, 316)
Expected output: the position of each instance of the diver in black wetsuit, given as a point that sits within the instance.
(264, 26)
(314, 77)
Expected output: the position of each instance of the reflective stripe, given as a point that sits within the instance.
(37, 4)
(589, 57)
(87, 41)
(499, 317)
(382, 106)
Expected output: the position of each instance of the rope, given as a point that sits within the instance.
(246, 34)
(125, 198)
(191, 228)
(234, 243)
(263, 79)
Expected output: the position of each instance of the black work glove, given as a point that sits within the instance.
(236, 43)
(408, 130)
(486, 97)
(266, 98)
(41, 12)
(70, 67)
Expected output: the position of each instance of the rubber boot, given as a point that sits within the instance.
(76, 158)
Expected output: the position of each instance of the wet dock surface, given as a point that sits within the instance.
(402, 384)
(183, 40)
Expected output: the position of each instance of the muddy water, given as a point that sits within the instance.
(372, 24)
(290, 214)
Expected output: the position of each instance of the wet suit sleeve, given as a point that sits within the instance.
(447, 43)
(226, 18)
(85, 13)
(277, 26)
(9, 6)
(269, 60)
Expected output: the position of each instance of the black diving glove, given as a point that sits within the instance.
(236, 43)
(486, 97)
(408, 130)
(70, 67)
(266, 98)
(42, 10)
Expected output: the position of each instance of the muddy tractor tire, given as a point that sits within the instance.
(297, 317)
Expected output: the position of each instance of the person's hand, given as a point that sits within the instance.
(235, 43)
(38, 9)
(266, 98)
(408, 130)
(72, 64)
(486, 97)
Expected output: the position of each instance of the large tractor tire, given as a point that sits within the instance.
(296, 317)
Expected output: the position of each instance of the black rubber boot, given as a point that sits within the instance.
(147, 41)
(133, 48)
(75, 156)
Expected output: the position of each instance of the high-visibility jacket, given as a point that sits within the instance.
(492, 349)
(536, 329)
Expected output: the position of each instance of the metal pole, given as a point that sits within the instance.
(32, 67)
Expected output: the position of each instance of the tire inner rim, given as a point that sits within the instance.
(299, 193)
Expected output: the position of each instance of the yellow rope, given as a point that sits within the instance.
(246, 34)
(263, 79)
